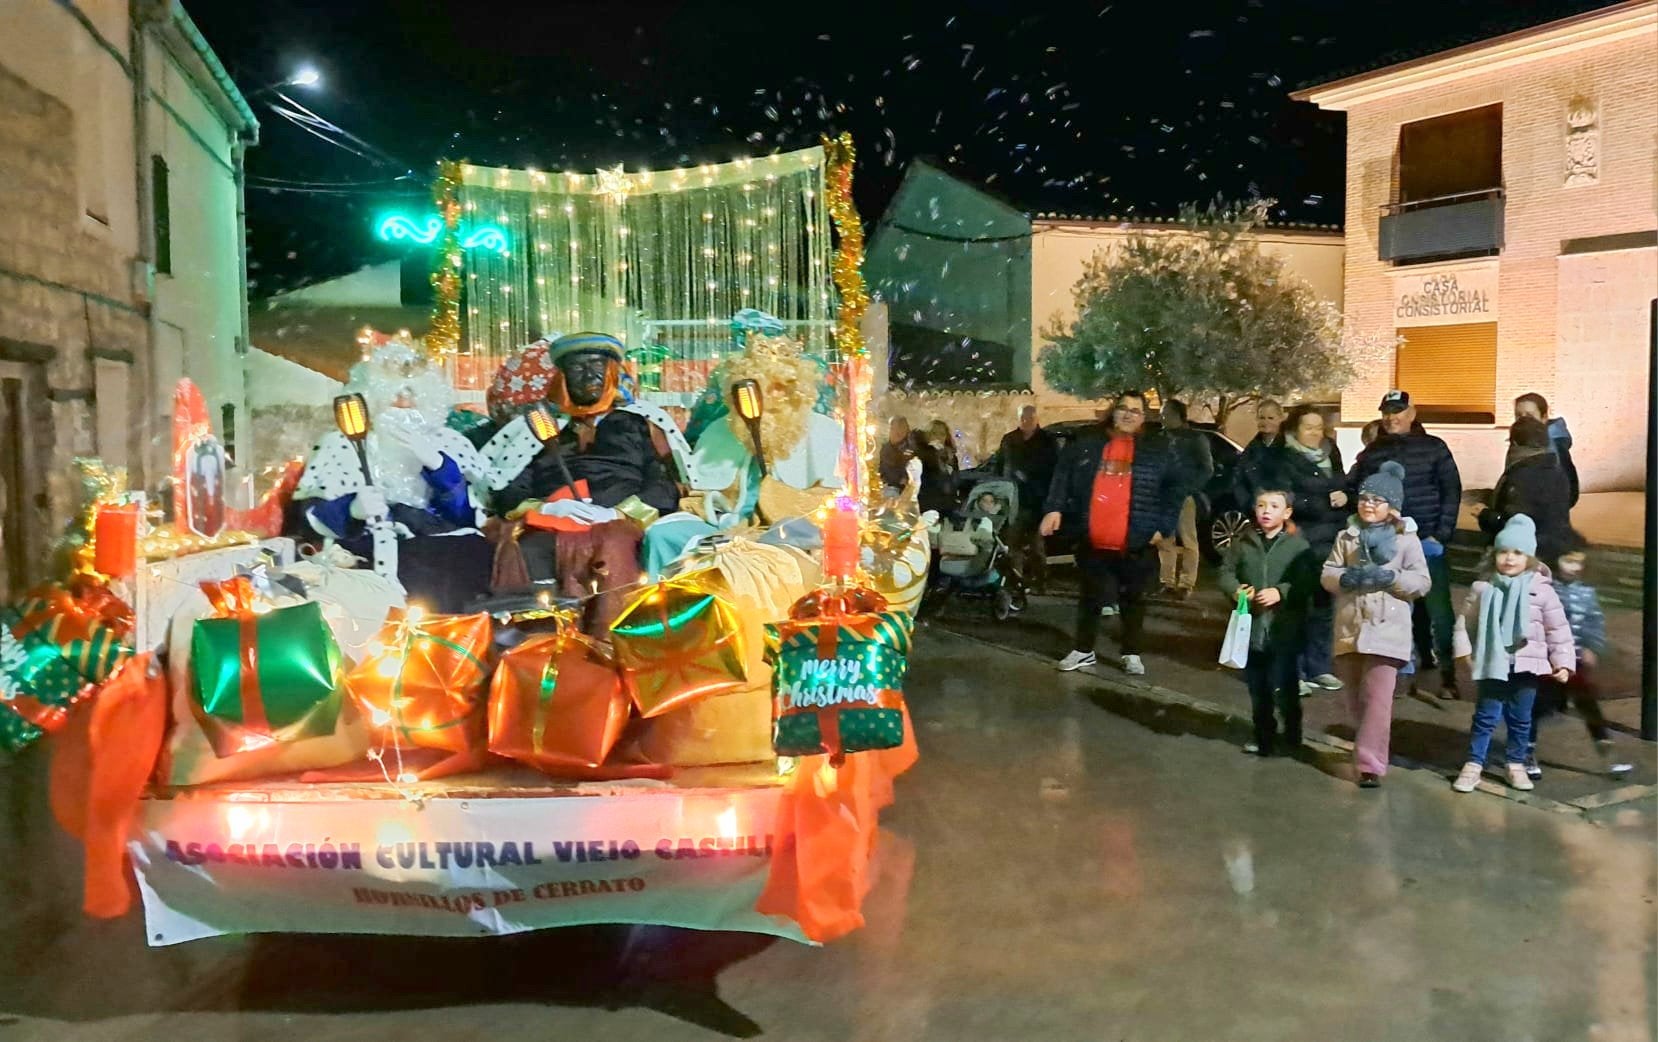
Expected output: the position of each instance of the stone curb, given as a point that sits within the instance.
(1426, 773)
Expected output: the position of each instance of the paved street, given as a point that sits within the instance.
(1053, 871)
(1183, 639)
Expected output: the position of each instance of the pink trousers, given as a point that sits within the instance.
(1368, 681)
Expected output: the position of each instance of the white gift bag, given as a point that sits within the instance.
(1234, 650)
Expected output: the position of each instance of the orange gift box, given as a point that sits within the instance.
(556, 702)
(423, 680)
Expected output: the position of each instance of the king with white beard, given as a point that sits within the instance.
(416, 513)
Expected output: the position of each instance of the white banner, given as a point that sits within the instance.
(1445, 298)
(456, 867)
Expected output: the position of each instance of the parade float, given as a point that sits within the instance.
(624, 642)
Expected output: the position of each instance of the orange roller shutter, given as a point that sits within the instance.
(1450, 368)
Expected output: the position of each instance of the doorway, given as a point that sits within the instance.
(24, 518)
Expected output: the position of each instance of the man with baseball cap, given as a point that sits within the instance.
(1433, 495)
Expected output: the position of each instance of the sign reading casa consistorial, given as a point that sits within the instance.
(1445, 297)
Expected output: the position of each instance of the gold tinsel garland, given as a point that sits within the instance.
(444, 338)
(854, 301)
(849, 252)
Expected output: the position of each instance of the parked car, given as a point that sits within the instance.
(1219, 519)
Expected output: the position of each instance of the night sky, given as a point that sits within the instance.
(1129, 108)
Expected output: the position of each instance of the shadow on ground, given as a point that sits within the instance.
(670, 971)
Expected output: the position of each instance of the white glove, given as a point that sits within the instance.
(930, 518)
(369, 504)
(913, 470)
(579, 510)
(421, 447)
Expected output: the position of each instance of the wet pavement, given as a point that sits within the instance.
(1059, 866)
(1183, 640)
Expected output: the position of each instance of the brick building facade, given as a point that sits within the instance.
(1502, 222)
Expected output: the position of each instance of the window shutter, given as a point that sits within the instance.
(1450, 369)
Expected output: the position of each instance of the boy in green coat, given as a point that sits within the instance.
(1276, 569)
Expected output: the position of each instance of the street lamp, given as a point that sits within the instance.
(745, 395)
(545, 428)
(351, 416)
(307, 76)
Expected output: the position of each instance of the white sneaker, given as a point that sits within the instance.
(1133, 666)
(1518, 779)
(1077, 660)
(1469, 778)
(1108, 611)
(1615, 767)
(1328, 681)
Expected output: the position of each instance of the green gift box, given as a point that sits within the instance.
(36, 688)
(838, 682)
(261, 679)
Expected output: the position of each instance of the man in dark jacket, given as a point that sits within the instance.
(1027, 456)
(1179, 555)
(1433, 495)
(1254, 466)
(896, 453)
(1113, 494)
(1534, 484)
(617, 453)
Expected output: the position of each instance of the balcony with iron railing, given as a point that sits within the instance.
(1465, 224)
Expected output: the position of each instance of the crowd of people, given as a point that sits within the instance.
(1344, 570)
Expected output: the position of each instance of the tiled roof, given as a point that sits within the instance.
(1132, 221)
(1540, 16)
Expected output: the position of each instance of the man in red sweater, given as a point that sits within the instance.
(1114, 493)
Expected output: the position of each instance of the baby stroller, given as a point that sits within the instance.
(973, 561)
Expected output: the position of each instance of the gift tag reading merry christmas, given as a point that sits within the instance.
(839, 678)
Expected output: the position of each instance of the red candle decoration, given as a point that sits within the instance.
(115, 540)
(840, 540)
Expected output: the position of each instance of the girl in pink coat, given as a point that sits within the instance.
(1516, 633)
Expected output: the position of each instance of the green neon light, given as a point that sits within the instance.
(674, 622)
(397, 226)
(487, 237)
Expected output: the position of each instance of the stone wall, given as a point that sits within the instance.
(65, 292)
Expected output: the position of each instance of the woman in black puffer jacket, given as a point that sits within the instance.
(1307, 465)
(1535, 484)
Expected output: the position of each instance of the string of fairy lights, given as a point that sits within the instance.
(659, 258)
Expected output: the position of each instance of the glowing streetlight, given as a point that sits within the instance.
(307, 76)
